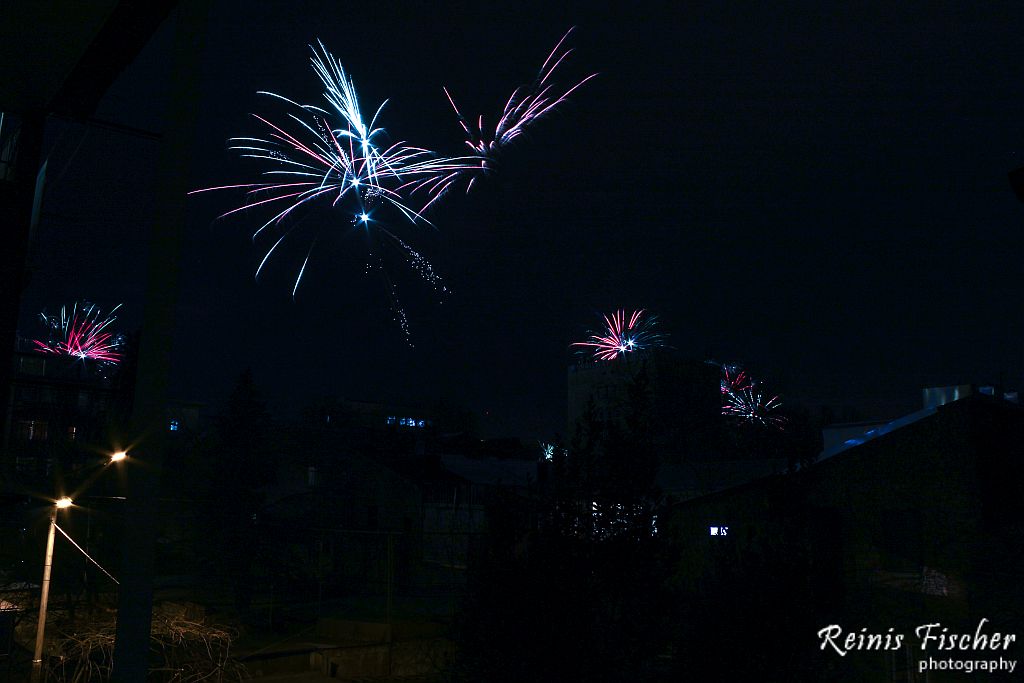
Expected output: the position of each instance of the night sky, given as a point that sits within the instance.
(819, 194)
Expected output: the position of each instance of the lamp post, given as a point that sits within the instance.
(60, 504)
(37, 658)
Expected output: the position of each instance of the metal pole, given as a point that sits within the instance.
(390, 580)
(135, 597)
(389, 574)
(37, 658)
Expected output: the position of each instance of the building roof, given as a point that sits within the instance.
(877, 432)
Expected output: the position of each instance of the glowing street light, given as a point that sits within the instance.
(62, 503)
(37, 658)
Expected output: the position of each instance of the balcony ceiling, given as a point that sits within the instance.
(60, 56)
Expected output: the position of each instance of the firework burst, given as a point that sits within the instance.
(753, 406)
(744, 399)
(734, 379)
(81, 333)
(335, 156)
(524, 107)
(622, 334)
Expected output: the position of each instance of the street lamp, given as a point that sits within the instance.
(62, 503)
(37, 659)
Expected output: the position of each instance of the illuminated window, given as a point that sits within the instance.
(72, 433)
(391, 420)
(173, 425)
(421, 423)
(719, 530)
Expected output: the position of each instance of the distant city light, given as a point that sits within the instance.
(407, 422)
(719, 530)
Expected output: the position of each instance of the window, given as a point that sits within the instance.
(32, 430)
(72, 433)
(407, 422)
(173, 426)
(32, 365)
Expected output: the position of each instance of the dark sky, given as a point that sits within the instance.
(820, 194)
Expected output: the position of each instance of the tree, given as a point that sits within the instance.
(570, 584)
(238, 464)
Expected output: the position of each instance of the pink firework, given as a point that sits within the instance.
(525, 106)
(81, 334)
(735, 379)
(622, 334)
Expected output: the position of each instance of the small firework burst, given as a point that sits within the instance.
(734, 379)
(622, 334)
(753, 406)
(547, 451)
(526, 105)
(744, 400)
(81, 333)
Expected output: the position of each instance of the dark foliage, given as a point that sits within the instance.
(236, 465)
(570, 587)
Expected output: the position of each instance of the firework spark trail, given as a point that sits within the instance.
(81, 334)
(623, 335)
(525, 106)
